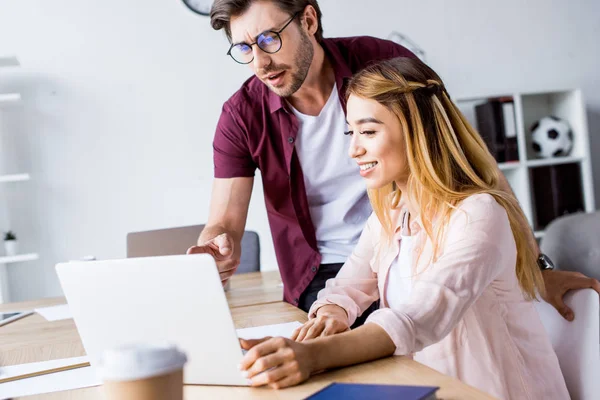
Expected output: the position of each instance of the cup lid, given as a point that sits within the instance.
(140, 361)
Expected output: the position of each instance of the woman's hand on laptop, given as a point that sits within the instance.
(223, 250)
(330, 319)
(277, 362)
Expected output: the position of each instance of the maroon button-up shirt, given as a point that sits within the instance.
(257, 130)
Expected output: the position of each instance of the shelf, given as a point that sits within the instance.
(9, 99)
(553, 161)
(539, 234)
(18, 258)
(481, 99)
(9, 61)
(14, 178)
(509, 165)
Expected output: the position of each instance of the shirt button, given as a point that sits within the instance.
(314, 269)
(291, 139)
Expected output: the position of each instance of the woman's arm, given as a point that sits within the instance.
(476, 249)
(366, 343)
(280, 362)
(346, 296)
(355, 286)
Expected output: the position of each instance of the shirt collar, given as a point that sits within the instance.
(399, 214)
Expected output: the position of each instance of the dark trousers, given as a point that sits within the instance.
(328, 271)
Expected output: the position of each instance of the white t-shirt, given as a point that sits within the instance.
(337, 196)
(399, 281)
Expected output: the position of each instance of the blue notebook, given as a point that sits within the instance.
(353, 391)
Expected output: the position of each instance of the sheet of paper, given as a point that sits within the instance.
(56, 382)
(259, 332)
(55, 313)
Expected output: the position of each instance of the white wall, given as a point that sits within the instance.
(122, 97)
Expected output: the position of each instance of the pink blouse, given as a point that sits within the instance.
(466, 316)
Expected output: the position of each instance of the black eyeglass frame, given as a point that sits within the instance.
(278, 33)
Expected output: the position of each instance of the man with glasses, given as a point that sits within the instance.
(288, 121)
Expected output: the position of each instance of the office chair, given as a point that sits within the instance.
(573, 243)
(576, 343)
(174, 241)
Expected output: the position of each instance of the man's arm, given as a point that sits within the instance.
(557, 283)
(224, 229)
(228, 208)
(505, 187)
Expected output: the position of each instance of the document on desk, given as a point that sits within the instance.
(56, 382)
(260, 332)
(55, 313)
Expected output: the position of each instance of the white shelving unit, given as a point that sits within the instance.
(9, 61)
(7, 100)
(18, 258)
(530, 107)
(14, 178)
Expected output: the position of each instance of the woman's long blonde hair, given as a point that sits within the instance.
(447, 158)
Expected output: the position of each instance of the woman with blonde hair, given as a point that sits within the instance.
(443, 252)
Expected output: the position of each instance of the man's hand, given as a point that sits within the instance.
(558, 283)
(330, 319)
(277, 362)
(222, 250)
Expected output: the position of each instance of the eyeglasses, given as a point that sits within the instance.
(268, 41)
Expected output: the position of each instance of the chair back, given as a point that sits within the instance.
(573, 243)
(576, 343)
(174, 241)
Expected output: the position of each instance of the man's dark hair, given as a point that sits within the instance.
(223, 10)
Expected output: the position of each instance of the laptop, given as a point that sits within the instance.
(174, 299)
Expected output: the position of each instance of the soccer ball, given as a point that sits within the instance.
(551, 137)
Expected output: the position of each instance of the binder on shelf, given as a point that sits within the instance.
(496, 123)
(510, 129)
(489, 130)
(557, 190)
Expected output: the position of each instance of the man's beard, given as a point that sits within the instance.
(304, 57)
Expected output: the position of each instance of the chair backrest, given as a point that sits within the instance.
(576, 343)
(173, 241)
(573, 243)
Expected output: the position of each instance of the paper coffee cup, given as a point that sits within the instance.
(143, 372)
